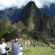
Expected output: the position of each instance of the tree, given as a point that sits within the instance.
(52, 32)
(20, 25)
(4, 24)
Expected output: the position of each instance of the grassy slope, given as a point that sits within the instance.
(38, 51)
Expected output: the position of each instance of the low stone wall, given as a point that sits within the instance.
(26, 43)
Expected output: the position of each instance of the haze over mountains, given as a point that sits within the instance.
(13, 13)
(49, 10)
(34, 19)
(31, 23)
(39, 25)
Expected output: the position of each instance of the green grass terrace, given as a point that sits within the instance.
(38, 51)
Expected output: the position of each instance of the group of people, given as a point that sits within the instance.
(16, 48)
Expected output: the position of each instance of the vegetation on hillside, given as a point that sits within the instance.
(31, 23)
(9, 30)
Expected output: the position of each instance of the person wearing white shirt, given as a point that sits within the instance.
(5, 46)
(2, 48)
(21, 48)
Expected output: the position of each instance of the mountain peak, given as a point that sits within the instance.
(31, 3)
(32, 17)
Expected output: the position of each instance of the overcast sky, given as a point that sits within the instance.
(6, 4)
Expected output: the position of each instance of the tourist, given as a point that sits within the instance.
(21, 48)
(2, 48)
(5, 45)
(16, 47)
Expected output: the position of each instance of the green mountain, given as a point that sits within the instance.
(31, 24)
(38, 24)
(34, 19)
(11, 13)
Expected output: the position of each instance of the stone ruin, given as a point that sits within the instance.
(26, 43)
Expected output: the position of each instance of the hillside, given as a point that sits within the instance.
(11, 13)
(49, 10)
(34, 19)
(31, 24)
(38, 24)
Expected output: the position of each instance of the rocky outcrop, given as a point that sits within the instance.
(38, 22)
(34, 19)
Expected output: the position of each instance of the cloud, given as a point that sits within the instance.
(42, 3)
(5, 4)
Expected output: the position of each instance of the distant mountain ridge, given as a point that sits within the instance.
(33, 18)
(39, 25)
(11, 13)
(31, 23)
(50, 11)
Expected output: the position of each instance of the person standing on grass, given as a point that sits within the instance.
(16, 47)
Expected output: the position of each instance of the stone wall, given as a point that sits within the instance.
(26, 43)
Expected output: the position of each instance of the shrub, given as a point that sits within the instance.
(53, 46)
